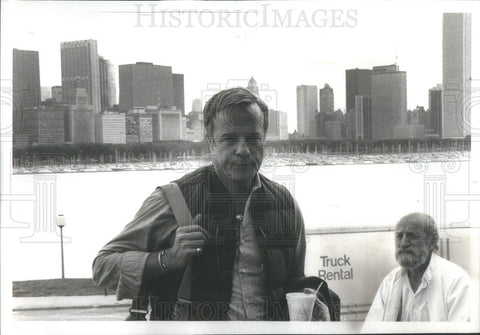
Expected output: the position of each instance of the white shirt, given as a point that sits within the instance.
(443, 295)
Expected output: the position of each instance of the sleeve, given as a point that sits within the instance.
(458, 300)
(387, 302)
(121, 262)
(377, 309)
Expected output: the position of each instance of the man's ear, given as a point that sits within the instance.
(432, 246)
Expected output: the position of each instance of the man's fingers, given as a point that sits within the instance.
(321, 311)
(191, 228)
(189, 244)
(192, 236)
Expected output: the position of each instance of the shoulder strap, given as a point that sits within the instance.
(177, 203)
(182, 215)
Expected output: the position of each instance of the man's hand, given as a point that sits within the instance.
(189, 241)
(320, 311)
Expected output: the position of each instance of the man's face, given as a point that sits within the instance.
(237, 144)
(412, 246)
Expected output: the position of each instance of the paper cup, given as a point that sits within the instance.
(300, 306)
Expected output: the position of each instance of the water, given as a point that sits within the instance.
(98, 205)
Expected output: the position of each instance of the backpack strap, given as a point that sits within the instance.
(184, 218)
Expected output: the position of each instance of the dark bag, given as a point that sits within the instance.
(139, 309)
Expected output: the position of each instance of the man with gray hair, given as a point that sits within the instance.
(426, 287)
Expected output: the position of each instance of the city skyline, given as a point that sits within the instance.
(145, 85)
(418, 54)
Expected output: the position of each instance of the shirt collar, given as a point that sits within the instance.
(256, 184)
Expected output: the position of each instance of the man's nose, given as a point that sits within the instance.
(242, 148)
(404, 240)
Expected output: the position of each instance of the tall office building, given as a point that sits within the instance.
(277, 125)
(45, 93)
(110, 128)
(357, 82)
(145, 84)
(389, 101)
(168, 125)
(26, 87)
(139, 127)
(457, 44)
(326, 100)
(51, 125)
(197, 105)
(178, 89)
(80, 70)
(307, 107)
(358, 121)
(80, 118)
(252, 86)
(435, 108)
(108, 88)
(57, 93)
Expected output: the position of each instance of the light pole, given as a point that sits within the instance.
(61, 222)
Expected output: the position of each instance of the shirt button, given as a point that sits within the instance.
(239, 218)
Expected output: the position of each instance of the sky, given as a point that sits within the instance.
(220, 44)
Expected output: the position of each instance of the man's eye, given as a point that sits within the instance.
(228, 139)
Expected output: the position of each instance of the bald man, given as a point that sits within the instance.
(425, 287)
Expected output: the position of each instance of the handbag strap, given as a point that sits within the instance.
(184, 218)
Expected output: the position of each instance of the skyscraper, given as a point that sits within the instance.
(108, 88)
(326, 100)
(457, 44)
(357, 82)
(252, 86)
(80, 70)
(168, 125)
(80, 118)
(359, 120)
(57, 93)
(389, 101)
(197, 105)
(45, 93)
(110, 128)
(277, 125)
(51, 125)
(307, 106)
(26, 86)
(178, 89)
(145, 84)
(435, 107)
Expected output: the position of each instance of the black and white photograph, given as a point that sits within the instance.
(197, 167)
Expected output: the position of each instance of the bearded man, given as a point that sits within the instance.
(426, 287)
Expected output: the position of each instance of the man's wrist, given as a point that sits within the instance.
(161, 261)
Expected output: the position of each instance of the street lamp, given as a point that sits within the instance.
(61, 222)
